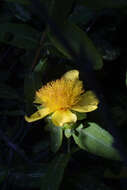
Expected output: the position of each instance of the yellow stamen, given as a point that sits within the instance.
(60, 97)
(61, 94)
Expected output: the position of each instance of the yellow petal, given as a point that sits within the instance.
(38, 115)
(71, 75)
(88, 102)
(37, 100)
(59, 118)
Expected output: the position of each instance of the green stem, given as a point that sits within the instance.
(68, 145)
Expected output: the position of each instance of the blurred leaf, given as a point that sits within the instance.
(23, 176)
(4, 75)
(61, 9)
(19, 11)
(96, 140)
(41, 146)
(29, 87)
(19, 35)
(109, 174)
(24, 2)
(56, 134)
(119, 113)
(32, 82)
(29, 91)
(39, 71)
(101, 4)
(82, 15)
(79, 42)
(92, 175)
(3, 177)
(126, 79)
(5, 15)
(55, 173)
(6, 92)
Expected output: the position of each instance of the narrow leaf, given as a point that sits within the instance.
(54, 175)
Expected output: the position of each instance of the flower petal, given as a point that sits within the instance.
(37, 100)
(59, 118)
(71, 75)
(88, 102)
(38, 115)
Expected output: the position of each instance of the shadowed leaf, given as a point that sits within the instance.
(24, 2)
(101, 4)
(56, 134)
(6, 92)
(19, 35)
(55, 172)
(79, 42)
(61, 10)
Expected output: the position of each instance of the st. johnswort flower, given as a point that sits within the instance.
(61, 96)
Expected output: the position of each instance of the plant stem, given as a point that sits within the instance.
(68, 145)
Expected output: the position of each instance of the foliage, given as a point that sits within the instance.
(39, 41)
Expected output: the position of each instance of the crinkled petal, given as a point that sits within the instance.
(71, 75)
(38, 115)
(87, 103)
(59, 118)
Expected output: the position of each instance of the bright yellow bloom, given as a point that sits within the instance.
(59, 97)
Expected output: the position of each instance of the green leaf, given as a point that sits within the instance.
(56, 138)
(78, 40)
(101, 4)
(56, 134)
(96, 140)
(19, 35)
(55, 173)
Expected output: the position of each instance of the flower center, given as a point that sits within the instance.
(61, 94)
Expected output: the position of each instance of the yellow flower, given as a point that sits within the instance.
(59, 97)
